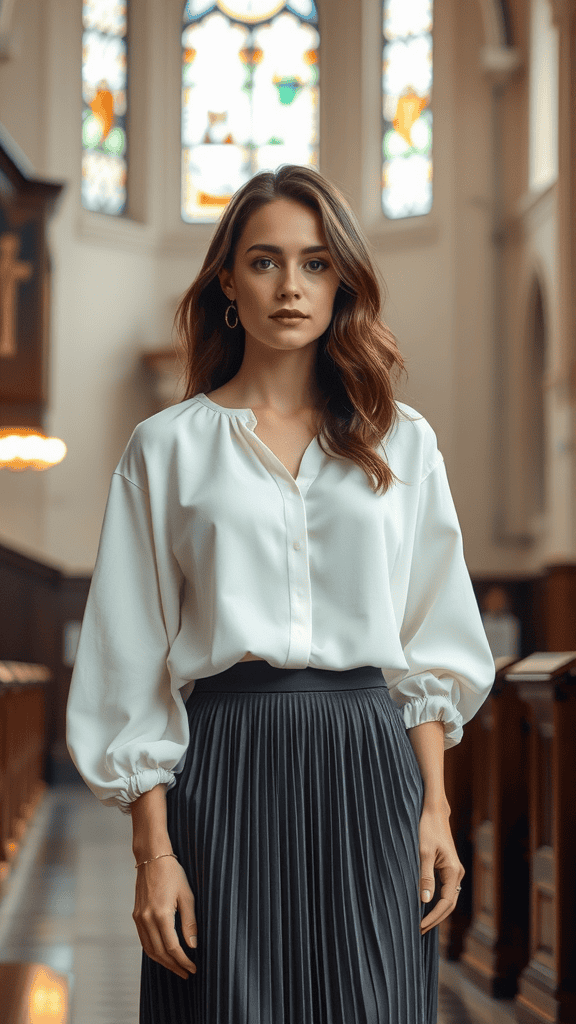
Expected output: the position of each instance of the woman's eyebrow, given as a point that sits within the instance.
(266, 247)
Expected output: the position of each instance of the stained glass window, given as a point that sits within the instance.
(104, 95)
(406, 108)
(249, 96)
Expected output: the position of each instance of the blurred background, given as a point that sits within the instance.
(450, 127)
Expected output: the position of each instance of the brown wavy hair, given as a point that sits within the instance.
(357, 354)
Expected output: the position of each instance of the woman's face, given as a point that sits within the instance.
(282, 263)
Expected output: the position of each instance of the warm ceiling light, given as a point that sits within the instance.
(25, 448)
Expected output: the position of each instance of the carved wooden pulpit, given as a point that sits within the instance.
(26, 203)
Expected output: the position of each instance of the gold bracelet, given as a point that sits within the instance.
(155, 858)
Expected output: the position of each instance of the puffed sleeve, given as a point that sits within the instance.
(450, 665)
(126, 727)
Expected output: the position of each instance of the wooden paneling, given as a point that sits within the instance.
(25, 205)
(35, 602)
(559, 608)
(496, 944)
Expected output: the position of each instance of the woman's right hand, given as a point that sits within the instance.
(162, 888)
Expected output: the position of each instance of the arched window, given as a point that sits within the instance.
(104, 107)
(249, 96)
(406, 108)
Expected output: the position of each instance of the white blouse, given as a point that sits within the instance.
(210, 549)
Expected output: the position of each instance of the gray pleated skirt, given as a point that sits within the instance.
(296, 819)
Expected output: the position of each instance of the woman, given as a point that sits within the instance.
(280, 640)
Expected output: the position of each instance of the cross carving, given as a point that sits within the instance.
(12, 272)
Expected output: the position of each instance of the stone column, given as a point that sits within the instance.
(563, 376)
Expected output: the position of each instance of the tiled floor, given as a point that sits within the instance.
(73, 911)
(69, 905)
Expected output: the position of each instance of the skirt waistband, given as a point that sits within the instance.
(260, 677)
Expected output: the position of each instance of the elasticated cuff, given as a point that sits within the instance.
(435, 709)
(140, 783)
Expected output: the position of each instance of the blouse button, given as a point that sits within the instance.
(297, 545)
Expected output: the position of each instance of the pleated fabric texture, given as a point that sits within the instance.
(296, 819)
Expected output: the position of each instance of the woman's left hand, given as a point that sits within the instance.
(437, 850)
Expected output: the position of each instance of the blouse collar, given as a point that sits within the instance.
(246, 414)
(310, 463)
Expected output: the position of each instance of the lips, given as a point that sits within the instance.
(288, 314)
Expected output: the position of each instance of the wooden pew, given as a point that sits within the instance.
(496, 943)
(547, 985)
(466, 775)
(22, 752)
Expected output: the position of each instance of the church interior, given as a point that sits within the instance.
(450, 128)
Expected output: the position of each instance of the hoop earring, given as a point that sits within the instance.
(228, 324)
